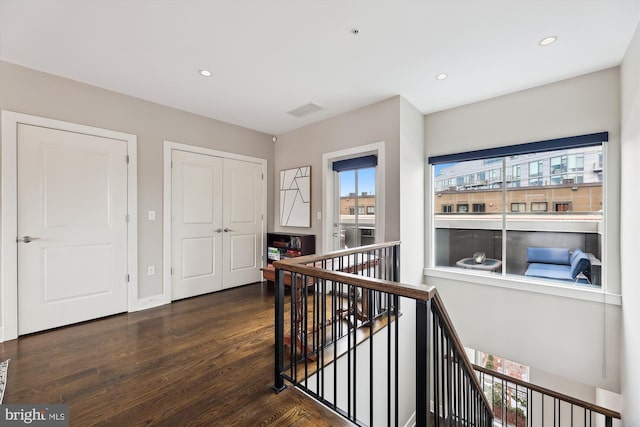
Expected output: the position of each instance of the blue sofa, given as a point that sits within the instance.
(559, 264)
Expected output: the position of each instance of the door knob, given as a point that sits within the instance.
(27, 239)
(226, 230)
(219, 230)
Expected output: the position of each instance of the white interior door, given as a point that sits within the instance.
(72, 230)
(243, 220)
(197, 228)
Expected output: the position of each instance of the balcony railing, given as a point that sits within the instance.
(346, 333)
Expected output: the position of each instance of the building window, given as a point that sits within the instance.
(478, 207)
(536, 173)
(352, 210)
(360, 210)
(562, 206)
(515, 176)
(519, 174)
(518, 207)
(538, 206)
(567, 169)
(371, 210)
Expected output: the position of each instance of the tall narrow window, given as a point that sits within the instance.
(357, 200)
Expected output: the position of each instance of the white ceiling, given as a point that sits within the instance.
(269, 57)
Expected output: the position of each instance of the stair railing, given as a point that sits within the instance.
(519, 403)
(340, 336)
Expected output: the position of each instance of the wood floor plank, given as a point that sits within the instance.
(204, 361)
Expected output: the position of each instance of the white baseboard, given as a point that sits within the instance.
(150, 302)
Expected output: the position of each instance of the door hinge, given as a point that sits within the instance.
(171, 270)
(128, 278)
(263, 176)
(127, 218)
(127, 158)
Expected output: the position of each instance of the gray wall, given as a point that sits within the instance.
(569, 336)
(400, 126)
(31, 92)
(630, 226)
(305, 146)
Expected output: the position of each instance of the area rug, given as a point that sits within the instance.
(4, 366)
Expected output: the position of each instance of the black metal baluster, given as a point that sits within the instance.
(436, 371)
(305, 326)
(423, 309)
(349, 353)
(355, 348)
(389, 361)
(371, 385)
(448, 360)
(279, 333)
(397, 345)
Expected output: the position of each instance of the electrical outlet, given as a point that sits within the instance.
(319, 216)
(151, 270)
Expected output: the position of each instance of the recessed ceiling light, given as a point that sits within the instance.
(548, 40)
(442, 76)
(205, 73)
(355, 31)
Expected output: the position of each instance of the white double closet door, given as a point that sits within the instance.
(217, 223)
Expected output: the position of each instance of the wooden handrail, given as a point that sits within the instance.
(397, 288)
(457, 342)
(306, 259)
(542, 390)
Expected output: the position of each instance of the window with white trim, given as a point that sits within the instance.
(560, 181)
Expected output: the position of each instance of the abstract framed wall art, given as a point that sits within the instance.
(295, 197)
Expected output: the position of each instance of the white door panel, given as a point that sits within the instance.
(242, 252)
(72, 196)
(243, 218)
(197, 224)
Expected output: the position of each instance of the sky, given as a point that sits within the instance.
(366, 181)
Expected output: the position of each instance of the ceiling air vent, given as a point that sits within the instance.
(305, 110)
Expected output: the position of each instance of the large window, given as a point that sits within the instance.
(549, 205)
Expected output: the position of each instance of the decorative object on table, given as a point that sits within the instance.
(4, 366)
(479, 257)
(295, 197)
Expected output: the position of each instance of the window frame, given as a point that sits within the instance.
(478, 207)
(523, 204)
(512, 280)
(546, 207)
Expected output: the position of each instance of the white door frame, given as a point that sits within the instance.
(328, 186)
(9, 227)
(166, 220)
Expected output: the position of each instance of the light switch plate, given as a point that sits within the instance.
(152, 215)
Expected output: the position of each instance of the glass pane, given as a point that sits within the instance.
(357, 221)
(348, 209)
(559, 218)
(468, 217)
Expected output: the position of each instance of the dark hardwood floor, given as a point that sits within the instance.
(203, 361)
